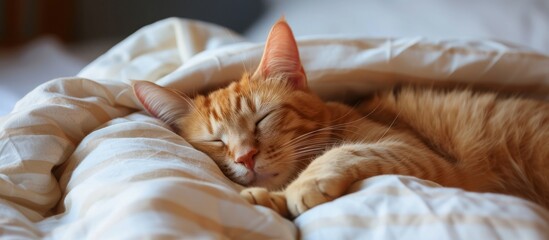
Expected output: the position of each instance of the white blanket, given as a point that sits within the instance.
(80, 160)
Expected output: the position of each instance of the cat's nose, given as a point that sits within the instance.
(246, 157)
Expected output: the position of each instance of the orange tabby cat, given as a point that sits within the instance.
(270, 131)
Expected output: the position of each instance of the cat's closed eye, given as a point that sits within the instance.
(261, 119)
(215, 142)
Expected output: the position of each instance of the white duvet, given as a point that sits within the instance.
(80, 160)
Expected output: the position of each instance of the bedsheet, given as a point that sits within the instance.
(79, 159)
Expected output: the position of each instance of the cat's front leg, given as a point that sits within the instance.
(322, 181)
(261, 196)
(330, 175)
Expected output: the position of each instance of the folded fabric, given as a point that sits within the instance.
(79, 159)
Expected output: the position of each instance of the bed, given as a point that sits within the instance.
(80, 159)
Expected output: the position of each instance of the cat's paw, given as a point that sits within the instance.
(308, 192)
(261, 196)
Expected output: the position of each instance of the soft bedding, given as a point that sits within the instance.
(79, 159)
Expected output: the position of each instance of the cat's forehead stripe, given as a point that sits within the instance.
(209, 127)
(232, 103)
(213, 111)
(238, 103)
(250, 104)
(236, 88)
(207, 102)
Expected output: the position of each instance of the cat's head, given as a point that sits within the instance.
(261, 130)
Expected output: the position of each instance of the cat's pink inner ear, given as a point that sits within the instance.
(161, 102)
(281, 56)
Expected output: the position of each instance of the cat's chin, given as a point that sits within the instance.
(270, 180)
(247, 180)
(266, 180)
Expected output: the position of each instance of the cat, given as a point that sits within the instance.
(293, 151)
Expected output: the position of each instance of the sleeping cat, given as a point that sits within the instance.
(269, 132)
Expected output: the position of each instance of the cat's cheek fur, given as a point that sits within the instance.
(275, 166)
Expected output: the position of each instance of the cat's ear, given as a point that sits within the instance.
(281, 56)
(163, 103)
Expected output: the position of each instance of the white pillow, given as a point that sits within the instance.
(518, 22)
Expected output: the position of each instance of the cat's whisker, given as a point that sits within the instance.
(326, 130)
(297, 141)
(300, 145)
(319, 131)
(310, 146)
(191, 104)
(353, 121)
(345, 115)
(313, 146)
(309, 151)
(303, 145)
(390, 126)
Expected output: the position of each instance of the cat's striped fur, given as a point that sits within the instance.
(269, 132)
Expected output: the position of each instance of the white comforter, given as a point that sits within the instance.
(79, 160)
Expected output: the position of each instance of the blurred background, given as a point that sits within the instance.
(44, 39)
